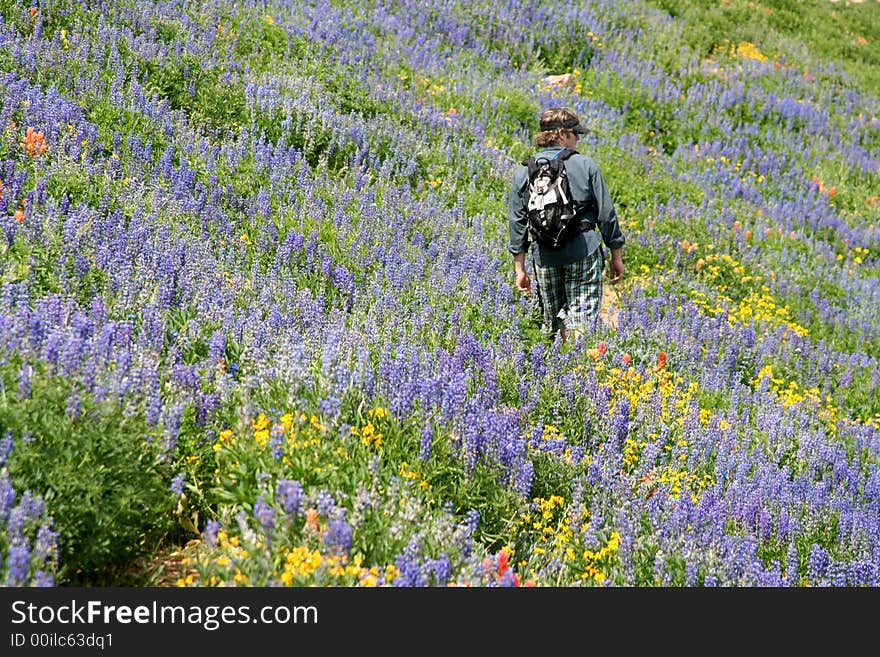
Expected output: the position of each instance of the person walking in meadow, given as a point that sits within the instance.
(561, 211)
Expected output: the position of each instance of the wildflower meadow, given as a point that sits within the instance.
(259, 327)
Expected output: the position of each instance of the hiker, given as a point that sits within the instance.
(568, 268)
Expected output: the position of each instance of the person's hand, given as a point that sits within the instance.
(523, 282)
(615, 266)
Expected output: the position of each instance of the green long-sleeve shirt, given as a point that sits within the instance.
(592, 203)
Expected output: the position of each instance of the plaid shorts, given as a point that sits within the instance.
(571, 295)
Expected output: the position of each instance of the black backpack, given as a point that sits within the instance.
(549, 205)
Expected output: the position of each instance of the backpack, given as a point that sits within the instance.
(549, 205)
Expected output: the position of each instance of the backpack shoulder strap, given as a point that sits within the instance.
(533, 164)
(557, 163)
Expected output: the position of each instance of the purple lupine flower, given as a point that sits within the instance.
(265, 515)
(206, 403)
(329, 406)
(837, 574)
(37, 330)
(817, 565)
(276, 441)
(325, 503)
(209, 536)
(792, 577)
(15, 521)
(764, 524)
(472, 520)
(620, 429)
(177, 483)
(783, 528)
(73, 405)
(154, 408)
(441, 568)
(5, 447)
(52, 346)
(32, 506)
(409, 566)
(43, 579)
(289, 493)
(172, 426)
(24, 381)
(17, 564)
(46, 543)
(426, 443)
(524, 476)
(338, 537)
(772, 576)
(7, 497)
(217, 347)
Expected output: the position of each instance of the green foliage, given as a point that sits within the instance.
(110, 121)
(353, 98)
(264, 45)
(99, 470)
(519, 109)
(808, 31)
(552, 476)
(194, 459)
(566, 52)
(77, 185)
(168, 31)
(208, 99)
(24, 261)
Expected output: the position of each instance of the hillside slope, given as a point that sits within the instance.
(255, 296)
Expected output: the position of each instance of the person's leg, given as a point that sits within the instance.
(551, 282)
(583, 288)
(537, 300)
